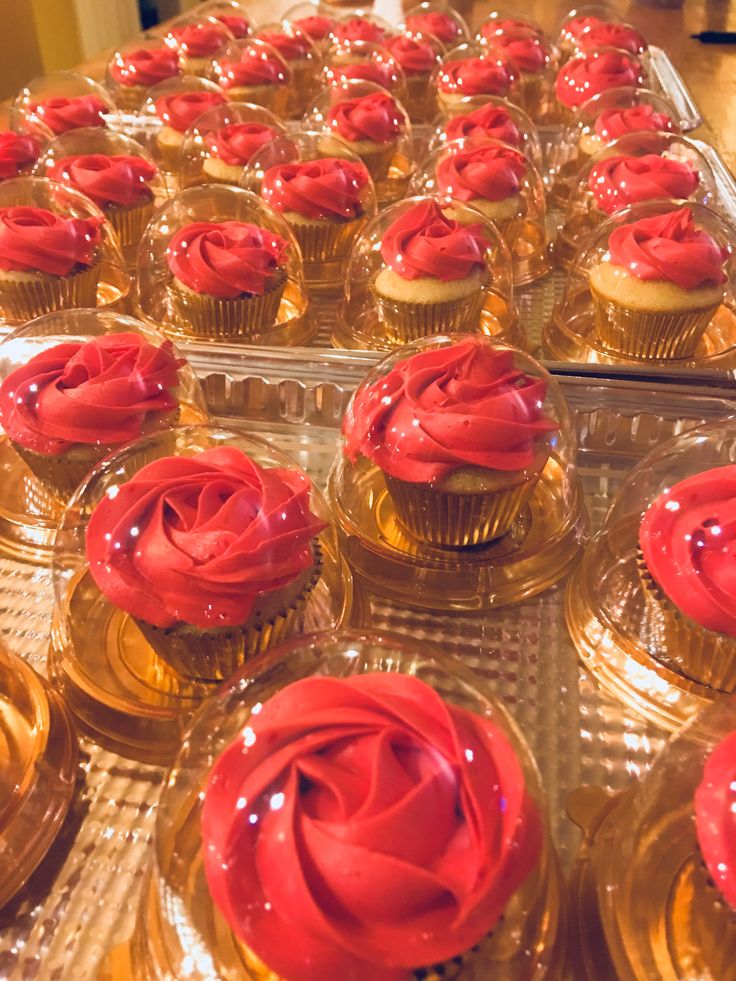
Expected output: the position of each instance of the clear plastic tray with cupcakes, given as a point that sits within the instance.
(441, 500)
(253, 71)
(532, 58)
(362, 61)
(230, 13)
(437, 19)
(137, 66)
(64, 100)
(472, 69)
(504, 186)
(219, 264)
(589, 73)
(651, 607)
(182, 557)
(651, 285)
(75, 387)
(426, 265)
(417, 55)
(384, 753)
(488, 117)
(197, 38)
(300, 53)
(22, 142)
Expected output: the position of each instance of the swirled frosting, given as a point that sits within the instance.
(327, 188)
(613, 123)
(316, 26)
(289, 46)
(526, 52)
(38, 240)
(235, 23)
(423, 243)
(226, 259)
(18, 152)
(589, 74)
(383, 829)
(611, 35)
(382, 71)
(436, 23)
(358, 29)
(715, 817)
(236, 143)
(509, 25)
(688, 540)
(97, 392)
(492, 173)
(486, 121)
(180, 110)
(374, 117)
(618, 181)
(448, 408)
(108, 181)
(145, 66)
(198, 539)
(200, 40)
(669, 247)
(256, 67)
(415, 56)
(576, 25)
(61, 114)
(475, 76)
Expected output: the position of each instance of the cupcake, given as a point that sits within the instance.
(119, 185)
(488, 121)
(296, 49)
(402, 824)
(417, 58)
(359, 29)
(231, 147)
(435, 274)
(686, 541)
(322, 202)
(75, 402)
(529, 57)
(658, 287)
(178, 111)
(18, 153)
(47, 262)
(260, 76)
(371, 65)
(461, 438)
(458, 80)
(213, 556)
(138, 70)
(198, 42)
(611, 35)
(618, 181)
(61, 114)
(615, 122)
(316, 26)
(370, 125)
(587, 75)
(436, 23)
(228, 278)
(490, 178)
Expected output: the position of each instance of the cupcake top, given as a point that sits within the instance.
(589, 74)
(145, 66)
(382, 72)
(198, 539)
(576, 25)
(452, 407)
(715, 817)
(487, 121)
(201, 39)
(327, 188)
(385, 830)
(96, 392)
(374, 117)
(491, 172)
(358, 29)
(526, 52)
(40, 241)
(113, 181)
(61, 114)
(236, 143)
(236, 23)
(613, 123)
(291, 47)
(226, 259)
(18, 152)
(474, 76)
(180, 110)
(414, 55)
(618, 181)
(436, 23)
(316, 26)
(687, 539)
(668, 248)
(256, 67)
(611, 35)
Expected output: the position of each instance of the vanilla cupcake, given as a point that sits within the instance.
(473, 76)
(417, 56)
(530, 57)
(295, 47)
(488, 176)
(589, 74)
(255, 73)
(178, 111)
(231, 147)
(612, 123)
(134, 70)
(197, 41)
(371, 126)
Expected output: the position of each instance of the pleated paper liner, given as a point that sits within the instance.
(532, 93)
(169, 155)
(320, 242)
(272, 97)
(130, 223)
(412, 321)
(713, 923)
(698, 653)
(129, 97)
(378, 163)
(417, 101)
(22, 300)
(210, 316)
(648, 336)
(457, 520)
(63, 473)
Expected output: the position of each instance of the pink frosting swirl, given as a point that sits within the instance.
(108, 181)
(235, 23)
(415, 56)
(37, 240)
(180, 110)
(213, 532)
(589, 74)
(492, 173)
(226, 258)
(487, 121)
(526, 52)
(325, 188)
(436, 23)
(688, 540)
(509, 25)
(200, 40)
(236, 143)
(613, 36)
(145, 66)
(618, 181)
(576, 25)
(61, 114)
(291, 47)
(358, 29)
(374, 117)
(670, 248)
(96, 392)
(315, 26)
(613, 123)
(382, 72)
(475, 76)
(256, 67)
(18, 153)
(405, 828)
(448, 408)
(715, 817)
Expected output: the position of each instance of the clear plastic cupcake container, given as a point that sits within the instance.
(438, 19)
(136, 67)
(230, 13)
(253, 71)
(197, 38)
(578, 19)
(534, 62)
(315, 18)
(298, 50)
(363, 61)
(472, 69)
(509, 123)
(64, 100)
(504, 19)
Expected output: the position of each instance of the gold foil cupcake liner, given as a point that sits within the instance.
(210, 316)
(129, 97)
(169, 154)
(457, 520)
(130, 223)
(63, 473)
(412, 321)
(649, 336)
(22, 300)
(325, 241)
(378, 163)
(713, 923)
(532, 94)
(417, 98)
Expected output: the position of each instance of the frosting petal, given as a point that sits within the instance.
(715, 817)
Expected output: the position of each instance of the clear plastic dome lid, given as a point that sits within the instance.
(22, 141)
(189, 285)
(437, 19)
(533, 60)
(364, 61)
(315, 18)
(137, 66)
(230, 13)
(594, 71)
(197, 38)
(497, 180)
(63, 101)
(579, 19)
(472, 69)
(219, 788)
(488, 117)
(502, 20)
(362, 25)
(301, 55)
(253, 71)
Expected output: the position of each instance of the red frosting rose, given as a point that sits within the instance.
(618, 181)
(358, 29)
(383, 829)
(181, 109)
(198, 539)
(613, 36)
(289, 46)
(18, 153)
(236, 143)
(475, 76)
(448, 408)
(487, 121)
(97, 392)
(315, 26)
(37, 240)
(108, 181)
(508, 25)
(436, 23)
(61, 114)
(613, 123)
(256, 67)
(589, 74)
(526, 52)
(415, 56)
(493, 173)
(575, 27)
(145, 66)
(324, 188)
(200, 40)
(383, 73)
(374, 117)
(235, 23)
(715, 817)
(225, 258)
(669, 247)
